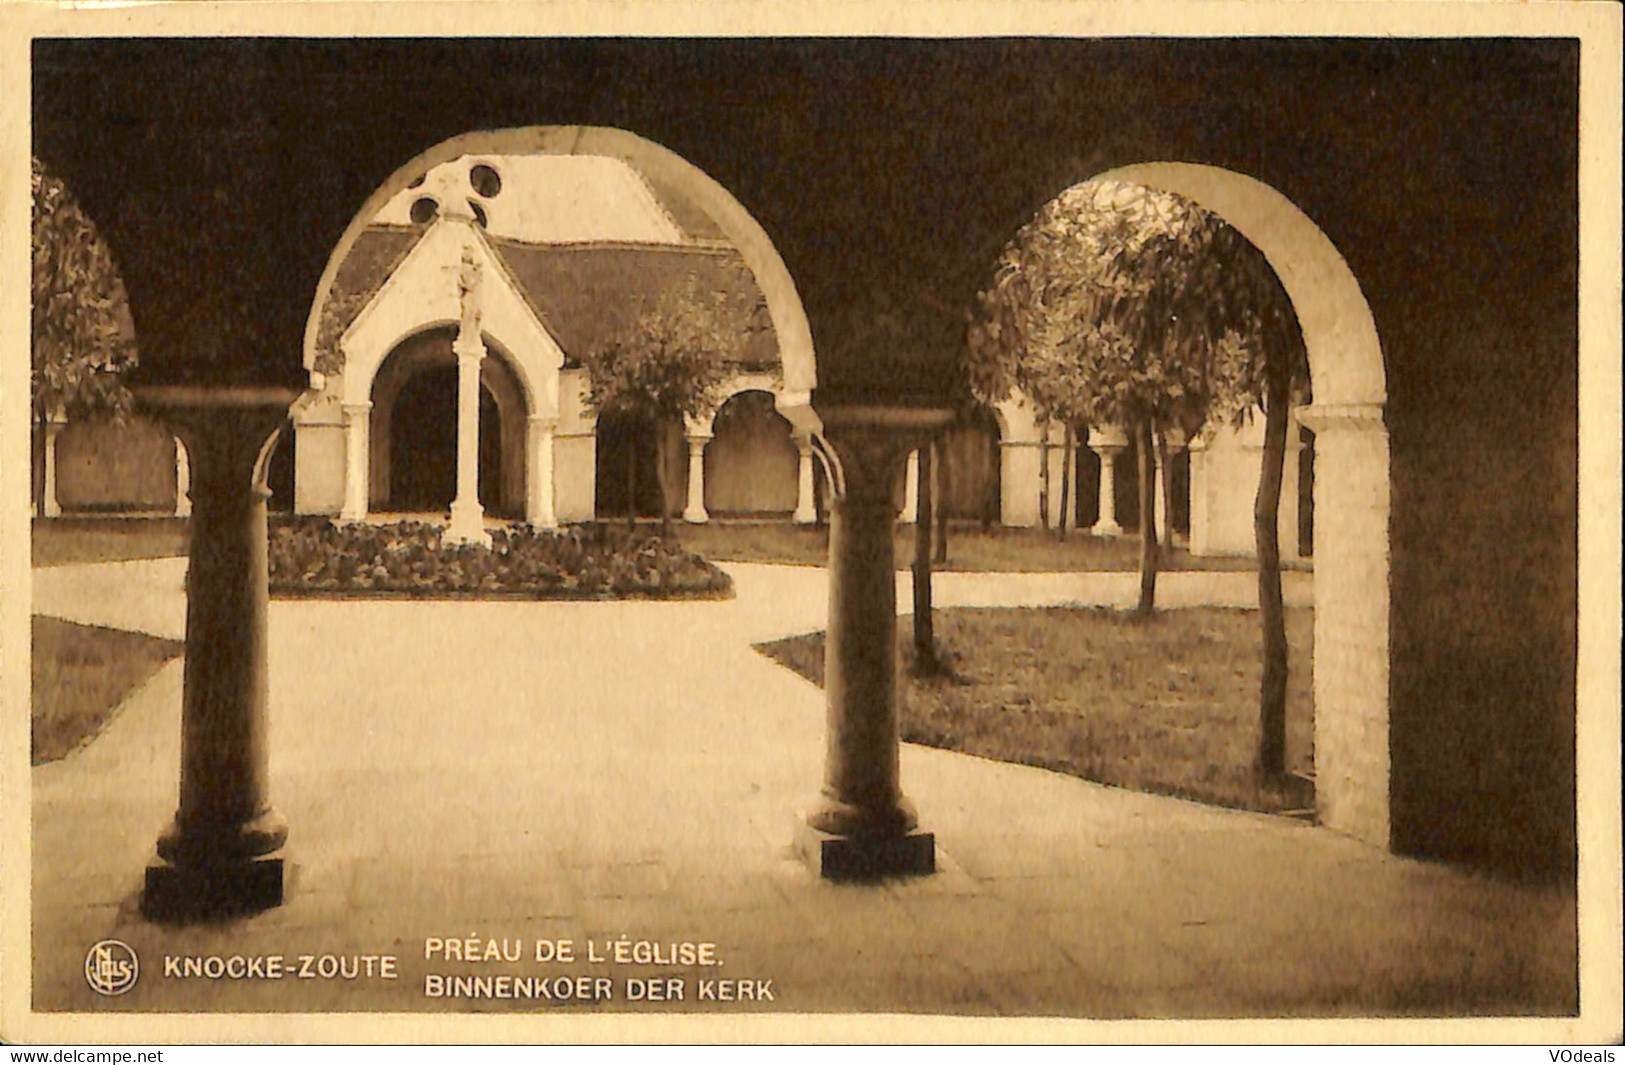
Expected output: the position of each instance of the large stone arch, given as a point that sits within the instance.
(1352, 602)
(500, 377)
(784, 305)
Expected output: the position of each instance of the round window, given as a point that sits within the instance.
(424, 210)
(485, 179)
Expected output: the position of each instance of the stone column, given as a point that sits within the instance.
(183, 480)
(806, 486)
(863, 826)
(467, 524)
(1351, 663)
(53, 428)
(222, 855)
(1107, 443)
(539, 471)
(1159, 495)
(911, 486)
(357, 458)
(694, 511)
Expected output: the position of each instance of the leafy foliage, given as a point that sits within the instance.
(316, 557)
(1122, 305)
(676, 357)
(82, 333)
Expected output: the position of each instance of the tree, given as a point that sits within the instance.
(83, 338)
(1154, 314)
(1103, 311)
(672, 363)
(1277, 372)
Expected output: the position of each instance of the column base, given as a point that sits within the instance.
(805, 517)
(239, 889)
(865, 857)
(696, 517)
(467, 526)
(1106, 528)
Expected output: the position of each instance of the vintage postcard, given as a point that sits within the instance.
(713, 522)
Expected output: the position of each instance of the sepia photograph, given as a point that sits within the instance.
(702, 523)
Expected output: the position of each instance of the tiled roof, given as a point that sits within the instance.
(581, 292)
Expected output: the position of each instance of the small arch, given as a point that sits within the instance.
(969, 475)
(752, 462)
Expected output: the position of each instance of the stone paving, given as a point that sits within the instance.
(584, 771)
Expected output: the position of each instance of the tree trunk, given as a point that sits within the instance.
(632, 488)
(1043, 474)
(660, 481)
(1271, 609)
(925, 639)
(1148, 520)
(1066, 479)
(940, 552)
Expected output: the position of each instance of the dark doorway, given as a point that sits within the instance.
(423, 444)
(279, 471)
(970, 475)
(626, 466)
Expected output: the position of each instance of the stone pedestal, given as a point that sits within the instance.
(183, 481)
(694, 511)
(357, 448)
(1107, 444)
(222, 855)
(863, 825)
(806, 488)
(911, 487)
(539, 509)
(467, 525)
(50, 506)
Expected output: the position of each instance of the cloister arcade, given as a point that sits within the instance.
(1403, 759)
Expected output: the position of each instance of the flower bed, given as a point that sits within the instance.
(316, 557)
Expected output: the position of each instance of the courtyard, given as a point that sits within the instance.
(494, 770)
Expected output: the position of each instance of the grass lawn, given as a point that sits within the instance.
(82, 674)
(1167, 706)
(969, 548)
(60, 541)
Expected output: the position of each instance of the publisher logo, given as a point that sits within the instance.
(111, 967)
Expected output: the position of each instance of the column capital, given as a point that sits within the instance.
(870, 444)
(223, 429)
(1107, 436)
(1366, 417)
(542, 421)
(468, 346)
(363, 407)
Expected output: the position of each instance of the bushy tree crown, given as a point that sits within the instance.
(83, 336)
(1118, 304)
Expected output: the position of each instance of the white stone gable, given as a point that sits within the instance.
(422, 293)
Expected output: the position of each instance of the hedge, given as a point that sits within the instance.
(316, 557)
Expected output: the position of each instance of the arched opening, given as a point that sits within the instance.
(110, 467)
(413, 466)
(1351, 491)
(279, 471)
(969, 475)
(751, 462)
(625, 456)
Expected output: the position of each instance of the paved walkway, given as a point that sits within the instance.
(583, 771)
